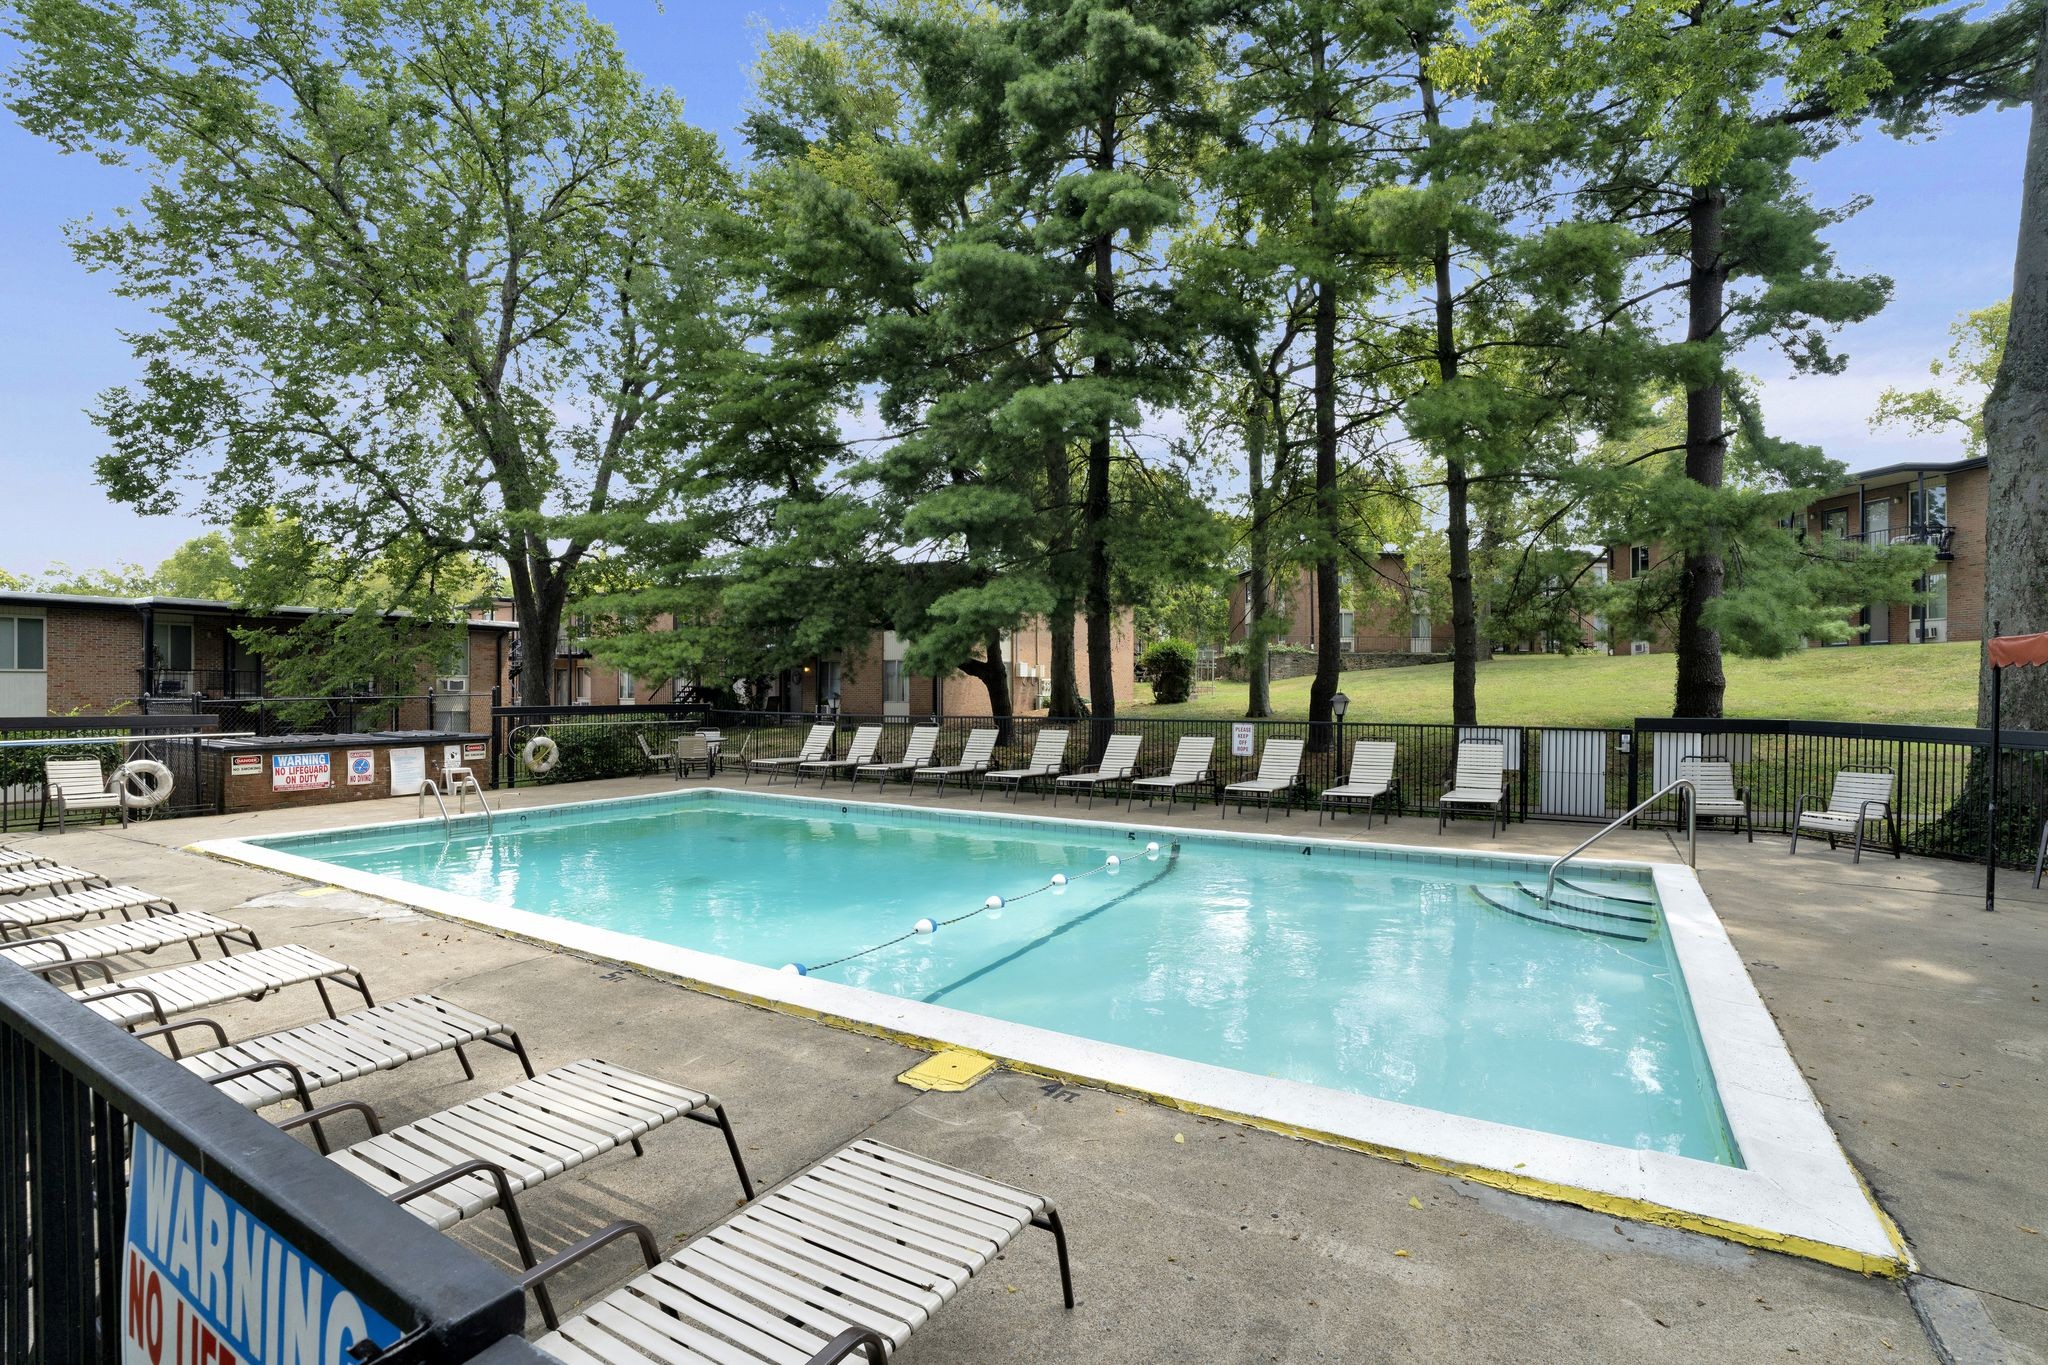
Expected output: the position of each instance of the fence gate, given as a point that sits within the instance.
(1573, 772)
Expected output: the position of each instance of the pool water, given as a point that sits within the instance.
(1372, 971)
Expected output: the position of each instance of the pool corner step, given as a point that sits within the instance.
(953, 1070)
(1553, 918)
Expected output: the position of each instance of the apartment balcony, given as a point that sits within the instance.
(200, 682)
(1942, 538)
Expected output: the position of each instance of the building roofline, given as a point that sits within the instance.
(1915, 467)
(81, 599)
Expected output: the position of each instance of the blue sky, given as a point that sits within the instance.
(1942, 225)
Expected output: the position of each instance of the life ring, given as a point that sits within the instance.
(144, 783)
(541, 754)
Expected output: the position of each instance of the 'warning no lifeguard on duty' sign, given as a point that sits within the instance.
(205, 1283)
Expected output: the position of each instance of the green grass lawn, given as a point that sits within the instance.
(1898, 684)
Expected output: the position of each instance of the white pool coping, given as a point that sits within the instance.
(1796, 1192)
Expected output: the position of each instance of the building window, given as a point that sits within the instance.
(1835, 523)
(172, 645)
(21, 644)
(1934, 611)
(625, 687)
(1935, 511)
(895, 682)
(1345, 620)
(1638, 561)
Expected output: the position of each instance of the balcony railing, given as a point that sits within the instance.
(200, 682)
(1942, 538)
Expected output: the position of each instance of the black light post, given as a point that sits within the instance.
(1339, 704)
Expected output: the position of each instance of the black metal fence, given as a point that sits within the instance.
(1554, 772)
(74, 1091)
(330, 715)
(97, 737)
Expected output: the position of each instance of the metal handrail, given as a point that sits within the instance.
(1691, 830)
(429, 787)
(462, 782)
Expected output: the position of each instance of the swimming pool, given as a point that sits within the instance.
(1425, 997)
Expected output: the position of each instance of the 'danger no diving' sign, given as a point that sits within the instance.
(205, 1283)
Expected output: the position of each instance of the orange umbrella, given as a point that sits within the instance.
(2003, 652)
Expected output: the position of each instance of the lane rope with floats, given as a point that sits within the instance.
(928, 925)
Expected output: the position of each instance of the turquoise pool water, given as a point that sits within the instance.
(1379, 973)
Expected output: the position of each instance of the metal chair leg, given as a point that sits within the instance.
(1050, 1221)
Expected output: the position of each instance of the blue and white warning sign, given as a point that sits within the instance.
(205, 1283)
(362, 767)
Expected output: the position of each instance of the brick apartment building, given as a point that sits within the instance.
(62, 653)
(1937, 503)
(1398, 622)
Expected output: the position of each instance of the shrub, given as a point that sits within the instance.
(1171, 666)
(591, 750)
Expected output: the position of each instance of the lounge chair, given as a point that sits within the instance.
(48, 877)
(13, 860)
(1371, 777)
(130, 936)
(1191, 768)
(815, 745)
(94, 900)
(845, 1258)
(1119, 764)
(261, 1071)
(157, 996)
(76, 784)
(1715, 795)
(859, 752)
(691, 751)
(1857, 792)
(1480, 783)
(975, 756)
(1279, 774)
(661, 760)
(918, 752)
(479, 1154)
(1048, 757)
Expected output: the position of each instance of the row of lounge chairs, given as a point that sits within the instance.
(845, 1258)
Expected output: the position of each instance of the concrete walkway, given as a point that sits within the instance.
(1918, 1019)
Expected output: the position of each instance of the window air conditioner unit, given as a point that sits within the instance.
(1639, 646)
(455, 684)
(1348, 646)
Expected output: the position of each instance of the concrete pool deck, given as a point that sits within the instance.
(1916, 1018)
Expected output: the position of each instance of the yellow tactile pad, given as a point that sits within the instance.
(953, 1069)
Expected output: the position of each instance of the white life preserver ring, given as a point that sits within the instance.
(541, 754)
(144, 783)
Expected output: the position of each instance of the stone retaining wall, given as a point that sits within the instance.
(1291, 665)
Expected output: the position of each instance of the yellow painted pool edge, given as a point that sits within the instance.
(1896, 1266)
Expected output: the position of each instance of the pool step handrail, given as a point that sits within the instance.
(1691, 831)
(429, 787)
(461, 781)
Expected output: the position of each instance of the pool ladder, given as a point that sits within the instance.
(1691, 832)
(461, 782)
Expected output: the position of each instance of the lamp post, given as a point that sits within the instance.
(1339, 704)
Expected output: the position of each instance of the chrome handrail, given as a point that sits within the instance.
(429, 787)
(462, 782)
(1691, 831)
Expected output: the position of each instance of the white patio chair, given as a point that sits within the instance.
(1048, 757)
(975, 756)
(815, 745)
(37, 911)
(691, 751)
(919, 751)
(1480, 782)
(1860, 795)
(1371, 776)
(1715, 795)
(1191, 768)
(47, 877)
(1119, 764)
(1279, 773)
(661, 760)
(77, 784)
(156, 996)
(860, 752)
(121, 937)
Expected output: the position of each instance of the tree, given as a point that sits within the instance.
(424, 271)
(1956, 400)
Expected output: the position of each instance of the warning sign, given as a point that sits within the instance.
(245, 765)
(204, 1282)
(1241, 739)
(299, 772)
(362, 767)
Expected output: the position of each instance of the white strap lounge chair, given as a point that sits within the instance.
(49, 877)
(661, 760)
(1371, 777)
(844, 1259)
(1860, 796)
(156, 996)
(1479, 784)
(1715, 795)
(816, 744)
(119, 937)
(1048, 757)
(692, 752)
(76, 784)
(1191, 768)
(33, 913)
(918, 752)
(2041, 855)
(975, 756)
(13, 860)
(480, 1154)
(1279, 774)
(1119, 764)
(294, 1063)
(860, 752)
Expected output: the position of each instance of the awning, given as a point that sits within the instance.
(2007, 650)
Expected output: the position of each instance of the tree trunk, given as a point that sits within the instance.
(2016, 439)
(993, 673)
(1258, 589)
(1701, 683)
(1457, 480)
(1095, 505)
(1065, 702)
(539, 606)
(1329, 518)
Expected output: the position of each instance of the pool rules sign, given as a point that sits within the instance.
(205, 1283)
